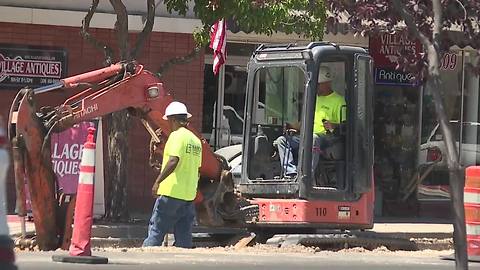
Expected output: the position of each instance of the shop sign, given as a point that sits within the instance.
(66, 150)
(386, 76)
(31, 66)
(386, 49)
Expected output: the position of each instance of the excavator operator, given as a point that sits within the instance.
(328, 108)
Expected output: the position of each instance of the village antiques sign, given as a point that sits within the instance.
(386, 50)
(32, 66)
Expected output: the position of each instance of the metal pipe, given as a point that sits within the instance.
(19, 169)
(93, 76)
(48, 88)
(460, 138)
(219, 108)
(419, 123)
(150, 130)
(23, 227)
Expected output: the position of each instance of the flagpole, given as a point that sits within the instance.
(218, 41)
(219, 107)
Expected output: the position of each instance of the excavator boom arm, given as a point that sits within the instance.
(120, 86)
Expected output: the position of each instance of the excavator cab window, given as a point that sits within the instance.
(330, 125)
(279, 93)
(344, 153)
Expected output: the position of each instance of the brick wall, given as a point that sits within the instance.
(184, 81)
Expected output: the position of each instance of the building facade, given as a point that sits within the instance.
(405, 123)
(25, 31)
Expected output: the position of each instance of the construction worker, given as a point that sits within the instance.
(176, 186)
(328, 109)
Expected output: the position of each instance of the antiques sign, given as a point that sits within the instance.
(32, 66)
(66, 150)
(386, 49)
(387, 76)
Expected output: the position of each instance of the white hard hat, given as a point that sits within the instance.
(176, 108)
(324, 74)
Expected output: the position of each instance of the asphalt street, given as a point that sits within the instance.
(207, 260)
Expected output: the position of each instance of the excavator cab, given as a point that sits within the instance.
(335, 190)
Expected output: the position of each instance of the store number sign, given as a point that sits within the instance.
(449, 61)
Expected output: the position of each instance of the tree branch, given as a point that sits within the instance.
(84, 32)
(121, 27)
(147, 29)
(410, 22)
(434, 62)
(437, 18)
(437, 23)
(178, 60)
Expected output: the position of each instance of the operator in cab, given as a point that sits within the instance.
(328, 107)
(176, 186)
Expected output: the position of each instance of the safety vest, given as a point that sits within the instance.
(328, 108)
(182, 182)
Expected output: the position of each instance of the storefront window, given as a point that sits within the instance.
(235, 79)
(461, 85)
(234, 97)
(395, 127)
(396, 120)
(451, 74)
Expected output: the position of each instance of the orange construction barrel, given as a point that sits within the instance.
(472, 209)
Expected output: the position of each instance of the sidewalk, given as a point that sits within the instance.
(427, 235)
(415, 230)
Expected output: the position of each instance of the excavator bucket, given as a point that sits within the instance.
(26, 131)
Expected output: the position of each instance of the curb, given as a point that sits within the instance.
(203, 240)
(439, 235)
(427, 244)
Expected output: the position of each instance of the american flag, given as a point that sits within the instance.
(218, 40)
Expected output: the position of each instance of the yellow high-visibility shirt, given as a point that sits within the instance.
(182, 182)
(328, 108)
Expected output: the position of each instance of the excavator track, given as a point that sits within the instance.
(339, 240)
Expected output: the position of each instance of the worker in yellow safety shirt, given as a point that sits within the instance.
(176, 186)
(328, 113)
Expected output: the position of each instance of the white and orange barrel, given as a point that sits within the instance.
(83, 218)
(472, 209)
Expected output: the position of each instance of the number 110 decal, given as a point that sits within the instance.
(321, 211)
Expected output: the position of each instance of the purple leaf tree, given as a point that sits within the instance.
(438, 25)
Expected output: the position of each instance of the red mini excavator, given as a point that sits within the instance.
(282, 88)
(241, 184)
(120, 86)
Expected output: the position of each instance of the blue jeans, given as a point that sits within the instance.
(171, 213)
(288, 150)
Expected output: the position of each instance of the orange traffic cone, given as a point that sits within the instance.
(472, 211)
(80, 250)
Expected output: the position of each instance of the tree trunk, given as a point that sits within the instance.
(116, 202)
(117, 209)
(456, 173)
(116, 205)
